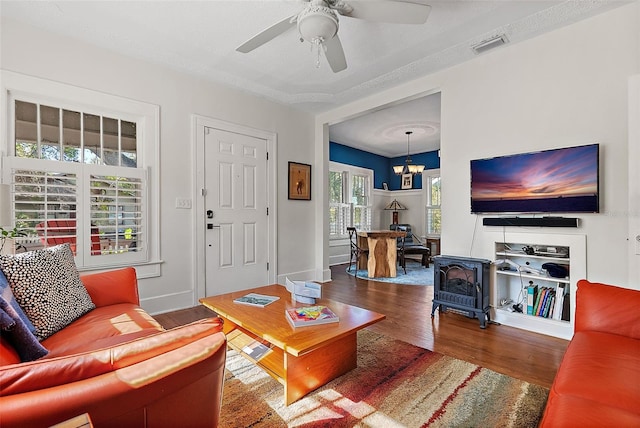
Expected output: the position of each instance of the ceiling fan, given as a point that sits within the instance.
(318, 24)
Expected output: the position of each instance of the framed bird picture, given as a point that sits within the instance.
(299, 181)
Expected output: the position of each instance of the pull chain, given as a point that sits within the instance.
(317, 44)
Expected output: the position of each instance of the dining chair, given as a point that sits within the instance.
(356, 250)
(401, 251)
(410, 244)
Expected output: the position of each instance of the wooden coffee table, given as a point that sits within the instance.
(301, 358)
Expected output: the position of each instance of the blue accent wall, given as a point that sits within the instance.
(382, 166)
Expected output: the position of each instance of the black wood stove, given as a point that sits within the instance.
(462, 284)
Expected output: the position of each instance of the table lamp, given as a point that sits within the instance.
(395, 206)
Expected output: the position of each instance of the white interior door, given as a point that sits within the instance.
(236, 232)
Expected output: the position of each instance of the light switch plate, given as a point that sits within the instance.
(183, 203)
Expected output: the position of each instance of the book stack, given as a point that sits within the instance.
(310, 315)
(547, 302)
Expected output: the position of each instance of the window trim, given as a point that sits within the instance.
(147, 116)
(426, 195)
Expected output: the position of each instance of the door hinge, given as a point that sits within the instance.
(267, 210)
(267, 155)
(267, 265)
(203, 192)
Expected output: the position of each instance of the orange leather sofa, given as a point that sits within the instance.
(598, 381)
(117, 364)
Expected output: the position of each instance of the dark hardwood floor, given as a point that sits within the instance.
(528, 356)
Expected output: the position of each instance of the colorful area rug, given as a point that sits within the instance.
(395, 385)
(416, 274)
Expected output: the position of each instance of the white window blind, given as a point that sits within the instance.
(40, 198)
(339, 218)
(433, 210)
(99, 210)
(117, 207)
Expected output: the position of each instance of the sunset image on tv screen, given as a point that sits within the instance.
(561, 180)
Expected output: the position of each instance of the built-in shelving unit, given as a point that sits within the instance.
(518, 260)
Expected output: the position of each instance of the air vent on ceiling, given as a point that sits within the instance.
(491, 43)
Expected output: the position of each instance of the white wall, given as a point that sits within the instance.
(42, 54)
(564, 88)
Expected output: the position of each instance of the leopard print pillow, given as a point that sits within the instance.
(46, 284)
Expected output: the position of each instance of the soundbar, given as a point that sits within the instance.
(531, 221)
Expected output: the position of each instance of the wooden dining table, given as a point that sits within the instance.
(383, 252)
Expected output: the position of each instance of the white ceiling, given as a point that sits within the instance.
(200, 37)
(383, 131)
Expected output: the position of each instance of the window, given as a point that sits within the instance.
(78, 175)
(349, 199)
(431, 184)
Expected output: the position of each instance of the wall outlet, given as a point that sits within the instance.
(183, 203)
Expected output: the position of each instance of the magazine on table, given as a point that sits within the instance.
(256, 350)
(255, 299)
(310, 315)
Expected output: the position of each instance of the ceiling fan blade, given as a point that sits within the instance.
(335, 54)
(394, 12)
(267, 35)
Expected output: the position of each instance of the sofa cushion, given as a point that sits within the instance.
(601, 367)
(112, 287)
(106, 326)
(607, 308)
(566, 411)
(47, 286)
(7, 294)
(48, 372)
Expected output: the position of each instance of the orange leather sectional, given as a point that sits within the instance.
(117, 364)
(598, 382)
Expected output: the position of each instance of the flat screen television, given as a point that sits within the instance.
(562, 180)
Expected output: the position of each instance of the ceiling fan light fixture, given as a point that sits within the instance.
(317, 23)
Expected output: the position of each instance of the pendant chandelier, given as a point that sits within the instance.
(408, 167)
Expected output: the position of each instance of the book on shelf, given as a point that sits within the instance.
(566, 310)
(310, 315)
(543, 292)
(255, 299)
(539, 296)
(543, 301)
(557, 309)
(532, 290)
(548, 304)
